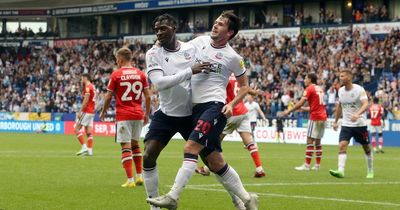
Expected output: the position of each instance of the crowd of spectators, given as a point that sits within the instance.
(48, 79)
(28, 32)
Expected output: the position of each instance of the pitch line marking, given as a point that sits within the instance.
(305, 184)
(306, 197)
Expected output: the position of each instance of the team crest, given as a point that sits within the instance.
(187, 56)
(241, 64)
(219, 56)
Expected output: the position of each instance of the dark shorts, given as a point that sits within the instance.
(279, 129)
(163, 127)
(253, 125)
(210, 123)
(360, 134)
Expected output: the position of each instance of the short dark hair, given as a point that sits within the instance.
(347, 71)
(165, 17)
(376, 100)
(86, 75)
(233, 21)
(313, 77)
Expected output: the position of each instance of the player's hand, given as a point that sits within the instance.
(335, 126)
(227, 110)
(102, 116)
(355, 117)
(201, 68)
(283, 114)
(79, 115)
(145, 120)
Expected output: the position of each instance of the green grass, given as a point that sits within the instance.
(40, 171)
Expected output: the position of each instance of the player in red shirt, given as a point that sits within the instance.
(128, 84)
(85, 117)
(316, 126)
(377, 113)
(241, 123)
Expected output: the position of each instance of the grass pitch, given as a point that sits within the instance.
(41, 171)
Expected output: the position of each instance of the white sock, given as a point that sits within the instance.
(232, 182)
(342, 161)
(236, 200)
(259, 169)
(150, 177)
(131, 179)
(182, 178)
(370, 162)
(84, 146)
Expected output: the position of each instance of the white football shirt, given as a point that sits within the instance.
(177, 100)
(224, 61)
(253, 113)
(350, 100)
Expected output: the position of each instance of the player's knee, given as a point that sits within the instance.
(150, 156)
(380, 134)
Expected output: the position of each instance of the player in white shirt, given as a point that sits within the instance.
(170, 65)
(352, 104)
(254, 111)
(210, 113)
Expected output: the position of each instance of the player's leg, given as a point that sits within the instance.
(373, 139)
(361, 136)
(231, 181)
(317, 135)
(253, 150)
(309, 148)
(80, 134)
(158, 136)
(89, 136)
(342, 157)
(136, 152)
(123, 136)
(380, 135)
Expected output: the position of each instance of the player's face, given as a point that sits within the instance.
(220, 29)
(165, 33)
(83, 80)
(345, 78)
(307, 81)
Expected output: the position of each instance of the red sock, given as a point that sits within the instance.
(90, 141)
(309, 153)
(137, 157)
(318, 154)
(380, 142)
(126, 159)
(254, 154)
(80, 137)
(373, 142)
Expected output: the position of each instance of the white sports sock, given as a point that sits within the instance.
(342, 161)
(84, 146)
(236, 200)
(151, 182)
(232, 182)
(182, 178)
(370, 162)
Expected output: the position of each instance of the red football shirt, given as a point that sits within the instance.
(376, 112)
(231, 91)
(315, 97)
(127, 84)
(89, 89)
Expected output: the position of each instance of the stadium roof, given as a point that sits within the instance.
(49, 4)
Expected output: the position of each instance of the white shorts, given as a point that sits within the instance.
(316, 129)
(376, 129)
(128, 130)
(86, 119)
(240, 123)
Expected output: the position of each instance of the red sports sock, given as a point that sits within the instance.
(254, 154)
(309, 153)
(80, 137)
(380, 142)
(318, 154)
(373, 142)
(137, 157)
(126, 159)
(90, 141)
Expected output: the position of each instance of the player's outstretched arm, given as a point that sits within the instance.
(297, 106)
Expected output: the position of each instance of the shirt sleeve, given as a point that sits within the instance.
(237, 66)
(152, 61)
(363, 95)
(111, 83)
(162, 82)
